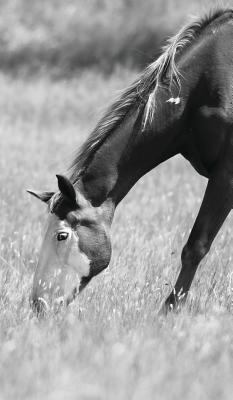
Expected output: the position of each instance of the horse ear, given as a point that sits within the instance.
(66, 188)
(43, 196)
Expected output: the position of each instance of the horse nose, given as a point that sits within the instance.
(40, 306)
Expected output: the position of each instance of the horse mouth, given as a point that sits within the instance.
(44, 304)
(72, 296)
(42, 308)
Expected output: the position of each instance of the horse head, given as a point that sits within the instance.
(75, 248)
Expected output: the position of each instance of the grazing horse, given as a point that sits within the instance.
(181, 104)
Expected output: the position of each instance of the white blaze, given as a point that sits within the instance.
(62, 264)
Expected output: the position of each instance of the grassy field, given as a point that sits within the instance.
(110, 344)
(62, 36)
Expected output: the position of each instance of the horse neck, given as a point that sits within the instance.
(128, 153)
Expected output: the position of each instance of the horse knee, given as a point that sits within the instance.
(193, 253)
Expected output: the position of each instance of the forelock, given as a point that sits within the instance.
(60, 206)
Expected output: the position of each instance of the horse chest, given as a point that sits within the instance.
(206, 139)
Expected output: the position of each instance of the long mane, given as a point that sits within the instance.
(143, 92)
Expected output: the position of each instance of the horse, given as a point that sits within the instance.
(182, 103)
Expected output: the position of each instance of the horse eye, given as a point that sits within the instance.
(62, 236)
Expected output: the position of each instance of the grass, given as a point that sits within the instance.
(110, 344)
(63, 36)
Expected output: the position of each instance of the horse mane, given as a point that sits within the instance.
(144, 90)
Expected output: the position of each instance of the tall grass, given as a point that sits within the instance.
(63, 36)
(110, 344)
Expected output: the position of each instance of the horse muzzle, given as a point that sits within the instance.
(52, 296)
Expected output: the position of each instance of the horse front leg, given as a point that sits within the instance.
(214, 209)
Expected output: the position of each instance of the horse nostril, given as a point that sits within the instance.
(40, 306)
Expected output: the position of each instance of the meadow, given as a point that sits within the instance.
(63, 36)
(111, 343)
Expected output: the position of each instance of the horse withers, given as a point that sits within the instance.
(181, 104)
